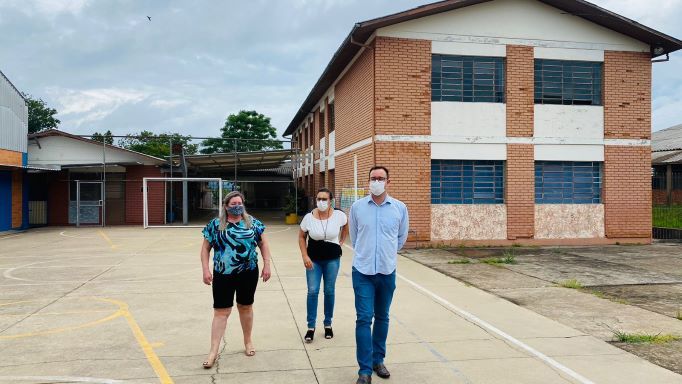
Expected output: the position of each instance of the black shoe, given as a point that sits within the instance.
(309, 336)
(381, 371)
(328, 333)
(364, 379)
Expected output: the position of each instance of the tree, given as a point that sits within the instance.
(107, 137)
(252, 130)
(157, 145)
(40, 116)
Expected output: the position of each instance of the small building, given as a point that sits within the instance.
(502, 121)
(103, 183)
(13, 158)
(666, 162)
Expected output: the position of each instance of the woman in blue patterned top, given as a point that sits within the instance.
(234, 238)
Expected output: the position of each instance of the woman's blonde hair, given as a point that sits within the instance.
(248, 220)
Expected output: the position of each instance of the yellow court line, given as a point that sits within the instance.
(104, 235)
(64, 329)
(147, 348)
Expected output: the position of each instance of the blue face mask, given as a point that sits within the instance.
(235, 210)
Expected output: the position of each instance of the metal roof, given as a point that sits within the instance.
(244, 161)
(668, 139)
(362, 31)
(666, 146)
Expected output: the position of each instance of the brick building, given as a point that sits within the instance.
(503, 121)
(13, 129)
(68, 182)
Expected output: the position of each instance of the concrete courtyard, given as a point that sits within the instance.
(128, 305)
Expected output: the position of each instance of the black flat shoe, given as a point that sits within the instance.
(309, 336)
(328, 333)
(364, 379)
(381, 371)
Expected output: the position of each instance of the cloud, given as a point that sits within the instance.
(48, 8)
(85, 106)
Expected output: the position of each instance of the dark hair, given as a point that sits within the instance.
(374, 168)
(325, 190)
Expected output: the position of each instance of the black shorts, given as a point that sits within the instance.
(225, 286)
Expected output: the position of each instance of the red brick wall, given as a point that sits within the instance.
(520, 191)
(627, 191)
(410, 172)
(403, 86)
(344, 170)
(17, 199)
(58, 199)
(519, 92)
(134, 197)
(660, 196)
(627, 95)
(354, 102)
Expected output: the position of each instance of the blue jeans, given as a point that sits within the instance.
(327, 269)
(373, 296)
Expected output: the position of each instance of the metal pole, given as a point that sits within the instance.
(295, 170)
(103, 192)
(669, 184)
(78, 203)
(170, 160)
(234, 186)
(355, 177)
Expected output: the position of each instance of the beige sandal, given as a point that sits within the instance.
(209, 364)
(249, 351)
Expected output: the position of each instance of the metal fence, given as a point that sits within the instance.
(667, 202)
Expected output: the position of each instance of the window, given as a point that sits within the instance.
(331, 118)
(568, 82)
(566, 182)
(322, 125)
(467, 182)
(467, 78)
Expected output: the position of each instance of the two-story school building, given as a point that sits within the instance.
(13, 130)
(502, 121)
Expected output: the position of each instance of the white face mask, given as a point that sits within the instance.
(377, 188)
(323, 205)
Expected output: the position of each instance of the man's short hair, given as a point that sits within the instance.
(374, 168)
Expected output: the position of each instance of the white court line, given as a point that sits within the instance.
(63, 233)
(489, 327)
(62, 379)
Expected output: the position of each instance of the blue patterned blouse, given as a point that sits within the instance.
(234, 249)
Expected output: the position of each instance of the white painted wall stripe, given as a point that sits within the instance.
(353, 147)
(509, 140)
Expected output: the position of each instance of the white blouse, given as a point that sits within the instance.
(328, 230)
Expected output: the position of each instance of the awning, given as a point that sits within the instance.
(244, 161)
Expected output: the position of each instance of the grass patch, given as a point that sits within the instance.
(678, 316)
(572, 284)
(667, 216)
(500, 260)
(641, 338)
(460, 261)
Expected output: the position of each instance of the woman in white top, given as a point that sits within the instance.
(326, 230)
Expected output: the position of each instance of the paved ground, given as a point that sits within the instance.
(633, 289)
(127, 305)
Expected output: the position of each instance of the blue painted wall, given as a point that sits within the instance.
(5, 200)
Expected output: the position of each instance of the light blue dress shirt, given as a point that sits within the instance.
(378, 232)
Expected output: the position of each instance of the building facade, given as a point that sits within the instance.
(505, 121)
(13, 130)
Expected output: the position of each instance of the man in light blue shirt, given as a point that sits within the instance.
(378, 230)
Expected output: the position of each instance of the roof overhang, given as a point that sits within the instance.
(362, 31)
(243, 161)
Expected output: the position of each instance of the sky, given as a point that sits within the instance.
(105, 66)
